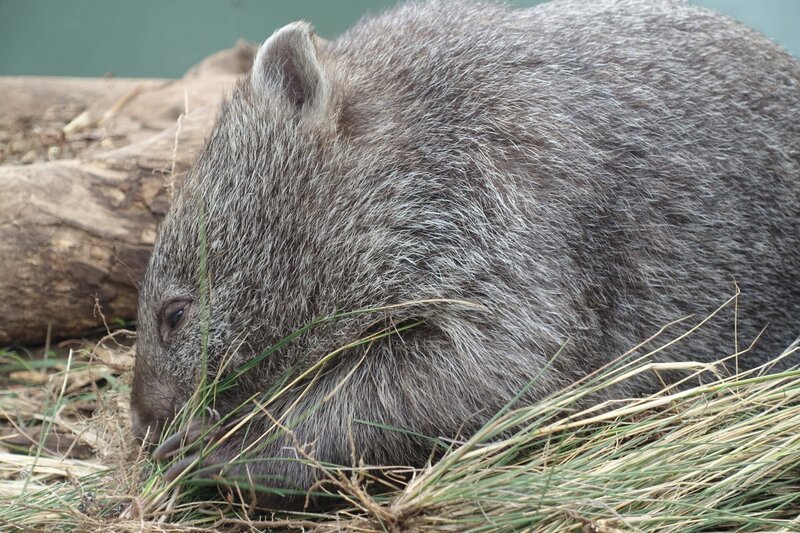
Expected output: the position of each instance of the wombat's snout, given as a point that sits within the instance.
(152, 407)
(145, 425)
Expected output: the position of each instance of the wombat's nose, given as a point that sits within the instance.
(145, 426)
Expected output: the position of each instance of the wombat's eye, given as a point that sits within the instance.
(171, 318)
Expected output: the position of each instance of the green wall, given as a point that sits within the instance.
(163, 38)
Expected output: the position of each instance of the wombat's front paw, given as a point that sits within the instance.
(213, 451)
(194, 441)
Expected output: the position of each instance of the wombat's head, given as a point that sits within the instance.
(226, 278)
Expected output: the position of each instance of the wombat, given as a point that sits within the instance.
(581, 173)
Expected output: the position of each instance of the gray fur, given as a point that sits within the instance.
(586, 171)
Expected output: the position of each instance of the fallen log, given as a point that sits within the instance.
(87, 169)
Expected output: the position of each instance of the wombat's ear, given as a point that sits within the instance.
(289, 64)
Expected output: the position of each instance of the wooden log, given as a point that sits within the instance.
(77, 230)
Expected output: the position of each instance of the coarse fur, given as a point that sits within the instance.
(585, 171)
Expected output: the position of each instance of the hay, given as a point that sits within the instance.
(721, 455)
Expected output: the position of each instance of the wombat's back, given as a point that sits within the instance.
(612, 165)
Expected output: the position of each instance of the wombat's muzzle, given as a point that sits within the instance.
(151, 410)
(146, 427)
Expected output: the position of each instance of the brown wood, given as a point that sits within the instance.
(78, 229)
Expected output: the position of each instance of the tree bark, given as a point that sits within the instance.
(77, 230)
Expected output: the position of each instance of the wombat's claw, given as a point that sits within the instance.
(178, 468)
(198, 434)
(169, 447)
(205, 469)
(186, 439)
(178, 442)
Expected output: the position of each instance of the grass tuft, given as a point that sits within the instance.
(721, 455)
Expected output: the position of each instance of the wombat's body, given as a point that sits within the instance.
(585, 171)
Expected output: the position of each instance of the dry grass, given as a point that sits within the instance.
(719, 456)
